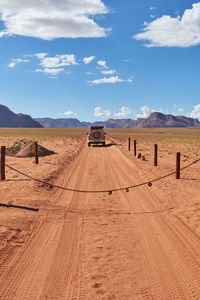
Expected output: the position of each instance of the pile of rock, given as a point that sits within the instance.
(25, 148)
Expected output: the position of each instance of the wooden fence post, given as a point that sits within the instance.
(178, 165)
(155, 155)
(3, 154)
(36, 152)
(129, 144)
(135, 150)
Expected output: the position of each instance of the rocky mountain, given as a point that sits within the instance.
(117, 123)
(10, 119)
(159, 120)
(62, 123)
(75, 123)
(155, 120)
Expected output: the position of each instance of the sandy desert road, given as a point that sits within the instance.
(101, 246)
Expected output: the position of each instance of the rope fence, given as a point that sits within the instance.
(110, 191)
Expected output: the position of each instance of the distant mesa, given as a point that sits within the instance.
(155, 120)
(160, 120)
(10, 119)
(62, 123)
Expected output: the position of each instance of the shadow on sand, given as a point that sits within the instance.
(190, 178)
(19, 207)
(18, 180)
(107, 145)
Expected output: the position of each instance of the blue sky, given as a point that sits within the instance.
(100, 59)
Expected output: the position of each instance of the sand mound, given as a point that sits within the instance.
(25, 148)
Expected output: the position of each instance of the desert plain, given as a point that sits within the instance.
(140, 243)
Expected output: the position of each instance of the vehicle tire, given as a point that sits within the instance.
(103, 144)
(89, 144)
(96, 134)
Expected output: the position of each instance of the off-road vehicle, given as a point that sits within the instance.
(96, 135)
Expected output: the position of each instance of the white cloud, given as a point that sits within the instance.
(180, 109)
(107, 72)
(173, 32)
(98, 112)
(49, 65)
(40, 55)
(176, 108)
(51, 71)
(16, 61)
(88, 60)
(58, 61)
(54, 65)
(70, 113)
(196, 112)
(145, 112)
(112, 79)
(152, 8)
(123, 112)
(49, 19)
(102, 63)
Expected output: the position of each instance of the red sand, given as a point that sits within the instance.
(144, 244)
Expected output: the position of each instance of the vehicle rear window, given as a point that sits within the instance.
(96, 127)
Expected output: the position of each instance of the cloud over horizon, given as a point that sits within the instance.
(145, 112)
(123, 112)
(98, 112)
(70, 113)
(196, 112)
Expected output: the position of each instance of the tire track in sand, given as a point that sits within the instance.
(171, 252)
(102, 246)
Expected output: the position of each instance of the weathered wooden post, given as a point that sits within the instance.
(155, 155)
(36, 152)
(3, 154)
(135, 150)
(178, 165)
(129, 144)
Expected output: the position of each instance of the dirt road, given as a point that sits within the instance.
(101, 246)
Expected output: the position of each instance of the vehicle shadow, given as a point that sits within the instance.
(107, 145)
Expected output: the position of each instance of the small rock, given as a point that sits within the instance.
(143, 157)
(139, 155)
